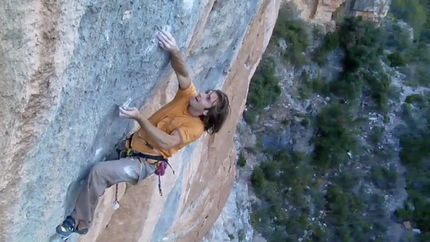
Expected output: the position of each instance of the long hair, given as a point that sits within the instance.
(217, 114)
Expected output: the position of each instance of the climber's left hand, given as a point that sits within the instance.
(167, 41)
(129, 112)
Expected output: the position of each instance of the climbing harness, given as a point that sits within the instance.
(160, 164)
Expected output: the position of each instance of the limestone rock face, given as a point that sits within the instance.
(374, 10)
(324, 11)
(66, 65)
(320, 11)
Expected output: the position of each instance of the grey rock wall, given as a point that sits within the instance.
(66, 65)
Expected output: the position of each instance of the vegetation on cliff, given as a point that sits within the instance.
(339, 189)
(264, 91)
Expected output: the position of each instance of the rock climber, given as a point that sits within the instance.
(180, 122)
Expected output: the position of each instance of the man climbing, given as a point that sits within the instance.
(177, 124)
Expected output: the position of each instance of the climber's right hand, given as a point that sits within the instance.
(167, 41)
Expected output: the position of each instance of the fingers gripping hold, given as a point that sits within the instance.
(167, 34)
(166, 40)
(162, 36)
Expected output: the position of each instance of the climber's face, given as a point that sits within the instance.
(205, 100)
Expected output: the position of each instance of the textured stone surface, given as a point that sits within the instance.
(322, 11)
(200, 193)
(317, 11)
(374, 10)
(67, 65)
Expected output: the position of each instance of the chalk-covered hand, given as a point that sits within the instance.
(167, 41)
(131, 112)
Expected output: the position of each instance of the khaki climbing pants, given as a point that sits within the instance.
(103, 175)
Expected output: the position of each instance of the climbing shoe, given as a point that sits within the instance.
(68, 227)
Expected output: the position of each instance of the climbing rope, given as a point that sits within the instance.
(116, 203)
(159, 185)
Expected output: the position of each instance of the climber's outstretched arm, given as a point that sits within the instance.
(168, 43)
(163, 139)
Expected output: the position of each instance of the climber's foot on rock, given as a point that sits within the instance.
(69, 226)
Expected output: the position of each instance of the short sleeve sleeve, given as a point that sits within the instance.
(188, 92)
(190, 132)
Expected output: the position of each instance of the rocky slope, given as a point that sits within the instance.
(234, 221)
(67, 65)
(326, 12)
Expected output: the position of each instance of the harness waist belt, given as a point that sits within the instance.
(144, 155)
(129, 139)
(147, 156)
(161, 163)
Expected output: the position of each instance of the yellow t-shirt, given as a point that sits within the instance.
(172, 116)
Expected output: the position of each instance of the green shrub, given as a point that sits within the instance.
(344, 212)
(415, 99)
(318, 84)
(379, 87)
(422, 75)
(363, 45)
(319, 235)
(415, 156)
(305, 122)
(308, 86)
(362, 42)
(264, 87)
(417, 52)
(305, 88)
(347, 180)
(414, 149)
(250, 116)
(330, 43)
(405, 215)
(285, 122)
(242, 160)
(349, 86)
(334, 136)
(417, 55)
(257, 178)
(412, 11)
(295, 33)
(397, 38)
(264, 90)
(384, 178)
(376, 135)
(396, 59)
(271, 170)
